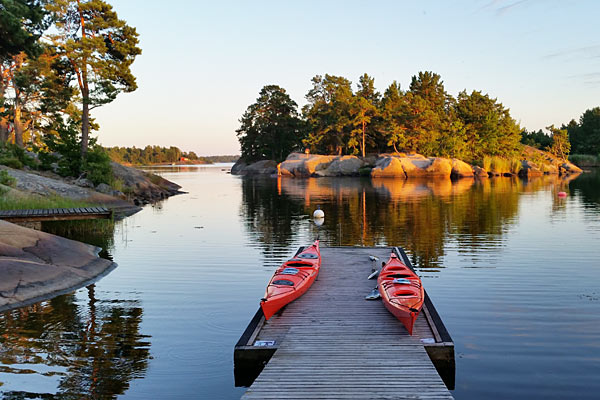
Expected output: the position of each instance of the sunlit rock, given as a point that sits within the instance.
(304, 165)
(461, 169)
(343, 166)
(388, 166)
(479, 172)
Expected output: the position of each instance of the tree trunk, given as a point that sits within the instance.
(3, 128)
(85, 125)
(363, 141)
(18, 125)
(3, 120)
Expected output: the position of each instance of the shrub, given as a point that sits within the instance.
(585, 160)
(6, 179)
(11, 162)
(15, 157)
(97, 166)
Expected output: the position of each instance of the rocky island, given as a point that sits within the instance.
(533, 162)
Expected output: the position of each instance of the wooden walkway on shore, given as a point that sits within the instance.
(55, 214)
(334, 344)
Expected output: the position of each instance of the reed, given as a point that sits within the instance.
(515, 165)
(585, 160)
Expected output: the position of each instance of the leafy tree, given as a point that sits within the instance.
(430, 87)
(328, 114)
(490, 130)
(585, 135)
(100, 48)
(537, 139)
(560, 142)
(393, 109)
(363, 110)
(21, 24)
(270, 128)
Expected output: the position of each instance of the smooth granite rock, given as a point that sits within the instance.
(35, 266)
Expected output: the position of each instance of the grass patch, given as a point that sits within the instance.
(8, 202)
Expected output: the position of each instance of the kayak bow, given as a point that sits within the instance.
(291, 280)
(401, 291)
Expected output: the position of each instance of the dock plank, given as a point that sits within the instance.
(54, 214)
(336, 344)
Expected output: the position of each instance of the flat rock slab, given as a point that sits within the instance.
(35, 265)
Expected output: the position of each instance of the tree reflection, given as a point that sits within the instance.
(95, 347)
(418, 215)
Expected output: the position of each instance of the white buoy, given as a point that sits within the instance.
(318, 213)
(319, 221)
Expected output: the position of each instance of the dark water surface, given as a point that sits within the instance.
(513, 270)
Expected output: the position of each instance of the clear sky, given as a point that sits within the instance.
(204, 62)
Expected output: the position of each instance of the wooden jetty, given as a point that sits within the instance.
(335, 344)
(55, 214)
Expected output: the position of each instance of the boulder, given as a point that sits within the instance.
(419, 166)
(262, 167)
(461, 169)
(387, 166)
(83, 182)
(343, 166)
(529, 169)
(304, 165)
(479, 172)
(104, 188)
(238, 167)
(569, 168)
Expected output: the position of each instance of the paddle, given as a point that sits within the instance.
(374, 271)
(374, 295)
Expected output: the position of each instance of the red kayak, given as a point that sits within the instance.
(291, 280)
(401, 291)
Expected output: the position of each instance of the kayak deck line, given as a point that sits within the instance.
(331, 342)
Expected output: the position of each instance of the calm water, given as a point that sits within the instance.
(512, 269)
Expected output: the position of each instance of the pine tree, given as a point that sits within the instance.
(100, 48)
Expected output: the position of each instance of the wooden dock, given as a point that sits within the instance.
(335, 344)
(55, 214)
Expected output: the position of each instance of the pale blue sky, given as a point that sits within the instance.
(204, 62)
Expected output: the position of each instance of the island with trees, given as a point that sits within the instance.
(421, 131)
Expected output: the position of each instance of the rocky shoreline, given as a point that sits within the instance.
(533, 163)
(35, 266)
(138, 188)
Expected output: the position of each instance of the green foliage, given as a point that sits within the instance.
(96, 166)
(270, 128)
(425, 119)
(65, 142)
(560, 142)
(21, 24)
(584, 135)
(6, 179)
(489, 128)
(100, 47)
(328, 115)
(537, 139)
(15, 157)
(585, 160)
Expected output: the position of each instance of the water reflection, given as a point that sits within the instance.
(420, 215)
(72, 347)
(587, 188)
